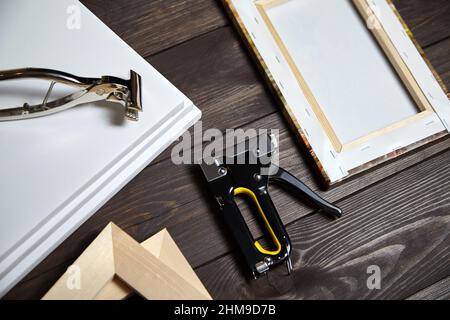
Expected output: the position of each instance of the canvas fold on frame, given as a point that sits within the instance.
(115, 265)
(414, 108)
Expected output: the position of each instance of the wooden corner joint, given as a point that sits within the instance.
(115, 265)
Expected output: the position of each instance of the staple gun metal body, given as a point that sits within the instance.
(247, 169)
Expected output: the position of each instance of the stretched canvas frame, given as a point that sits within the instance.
(405, 74)
(338, 160)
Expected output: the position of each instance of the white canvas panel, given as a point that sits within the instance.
(337, 165)
(58, 170)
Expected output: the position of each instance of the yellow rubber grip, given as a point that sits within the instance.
(249, 193)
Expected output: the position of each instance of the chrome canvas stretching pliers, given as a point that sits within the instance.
(113, 89)
(247, 169)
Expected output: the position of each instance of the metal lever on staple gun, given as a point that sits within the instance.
(249, 171)
(113, 89)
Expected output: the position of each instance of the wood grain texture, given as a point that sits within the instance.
(153, 26)
(400, 225)
(427, 19)
(217, 74)
(438, 291)
(195, 224)
(162, 246)
(438, 55)
(213, 68)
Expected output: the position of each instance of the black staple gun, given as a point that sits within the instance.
(247, 169)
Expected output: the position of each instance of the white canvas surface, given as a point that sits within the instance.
(56, 171)
(291, 14)
(343, 65)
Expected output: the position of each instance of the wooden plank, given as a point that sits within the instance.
(165, 249)
(115, 254)
(95, 269)
(144, 24)
(152, 26)
(400, 225)
(217, 74)
(438, 291)
(439, 57)
(428, 20)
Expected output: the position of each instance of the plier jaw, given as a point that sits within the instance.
(125, 92)
(228, 177)
(113, 89)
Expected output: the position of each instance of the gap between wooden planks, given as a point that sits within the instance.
(73, 248)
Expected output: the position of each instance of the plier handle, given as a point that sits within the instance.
(113, 89)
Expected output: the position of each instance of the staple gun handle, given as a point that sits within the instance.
(260, 258)
(284, 178)
(272, 222)
(274, 225)
(238, 227)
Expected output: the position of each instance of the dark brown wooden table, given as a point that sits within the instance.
(396, 217)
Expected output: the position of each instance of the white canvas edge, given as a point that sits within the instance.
(338, 165)
(408, 51)
(100, 193)
(170, 110)
(61, 211)
(70, 206)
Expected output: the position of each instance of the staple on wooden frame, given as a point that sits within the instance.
(390, 51)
